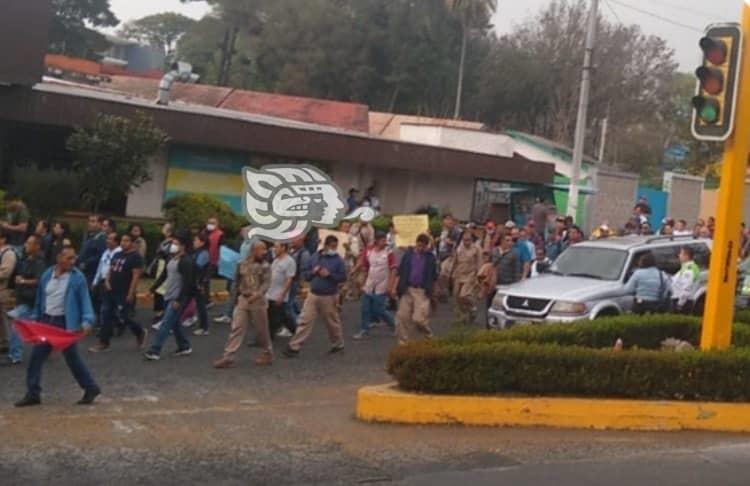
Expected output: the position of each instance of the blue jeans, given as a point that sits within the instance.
(41, 352)
(15, 345)
(373, 309)
(171, 322)
(292, 305)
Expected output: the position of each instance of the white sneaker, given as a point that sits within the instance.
(284, 333)
(190, 321)
(157, 326)
(222, 320)
(201, 332)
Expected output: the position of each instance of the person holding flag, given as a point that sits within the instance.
(62, 303)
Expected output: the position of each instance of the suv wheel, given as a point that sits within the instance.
(607, 313)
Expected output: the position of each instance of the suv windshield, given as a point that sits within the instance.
(591, 262)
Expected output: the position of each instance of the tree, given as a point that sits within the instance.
(530, 83)
(160, 30)
(71, 30)
(472, 14)
(112, 155)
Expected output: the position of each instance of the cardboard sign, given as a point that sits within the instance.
(343, 238)
(408, 227)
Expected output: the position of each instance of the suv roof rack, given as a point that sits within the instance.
(654, 239)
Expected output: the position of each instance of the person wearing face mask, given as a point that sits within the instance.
(325, 273)
(180, 289)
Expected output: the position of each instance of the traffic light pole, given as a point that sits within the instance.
(583, 106)
(719, 309)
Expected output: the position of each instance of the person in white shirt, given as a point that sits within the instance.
(113, 248)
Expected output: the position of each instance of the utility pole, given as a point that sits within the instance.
(583, 105)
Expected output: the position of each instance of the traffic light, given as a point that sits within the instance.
(718, 80)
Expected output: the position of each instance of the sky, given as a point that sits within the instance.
(694, 15)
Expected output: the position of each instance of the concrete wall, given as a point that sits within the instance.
(685, 197)
(402, 191)
(613, 203)
(146, 201)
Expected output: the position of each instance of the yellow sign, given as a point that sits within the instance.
(343, 239)
(408, 227)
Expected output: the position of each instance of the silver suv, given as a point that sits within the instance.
(587, 281)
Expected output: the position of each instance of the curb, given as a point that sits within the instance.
(386, 403)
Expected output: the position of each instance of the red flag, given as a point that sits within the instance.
(37, 333)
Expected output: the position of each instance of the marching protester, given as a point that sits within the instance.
(62, 301)
(60, 239)
(215, 240)
(202, 267)
(94, 245)
(379, 265)
(102, 269)
(302, 259)
(180, 289)
(283, 271)
(467, 261)
(44, 232)
(16, 224)
(139, 242)
(541, 263)
(8, 261)
(119, 297)
(28, 271)
(507, 262)
(253, 280)
(326, 272)
(158, 267)
(414, 286)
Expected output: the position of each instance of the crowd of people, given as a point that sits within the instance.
(278, 290)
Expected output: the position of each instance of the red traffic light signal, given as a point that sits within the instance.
(718, 79)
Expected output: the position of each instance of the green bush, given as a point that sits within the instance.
(381, 222)
(578, 359)
(742, 316)
(549, 369)
(47, 192)
(646, 332)
(186, 209)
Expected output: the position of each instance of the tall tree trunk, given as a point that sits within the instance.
(462, 62)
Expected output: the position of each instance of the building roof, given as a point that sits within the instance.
(350, 116)
(555, 149)
(199, 125)
(389, 124)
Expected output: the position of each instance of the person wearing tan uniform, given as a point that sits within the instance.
(414, 287)
(253, 279)
(8, 260)
(325, 273)
(467, 261)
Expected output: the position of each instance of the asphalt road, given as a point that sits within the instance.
(179, 421)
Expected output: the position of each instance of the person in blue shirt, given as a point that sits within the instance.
(650, 286)
(524, 252)
(62, 301)
(326, 272)
(352, 202)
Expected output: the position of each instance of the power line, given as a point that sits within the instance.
(611, 9)
(711, 16)
(657, 16)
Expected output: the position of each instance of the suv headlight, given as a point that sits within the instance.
(497, 302)
(574, 308)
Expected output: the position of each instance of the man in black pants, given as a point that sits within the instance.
(121, 283)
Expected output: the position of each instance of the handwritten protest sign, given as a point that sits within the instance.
(343, 239)
(408, 227)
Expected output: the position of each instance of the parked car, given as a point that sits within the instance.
(587, 281)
